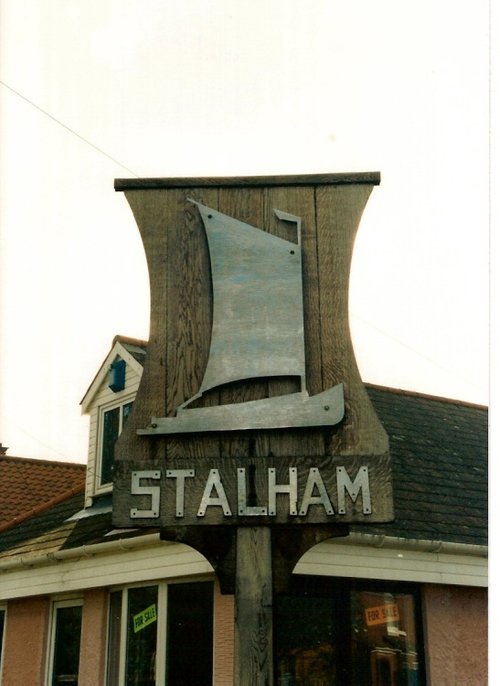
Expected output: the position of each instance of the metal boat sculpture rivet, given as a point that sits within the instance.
(257, 332)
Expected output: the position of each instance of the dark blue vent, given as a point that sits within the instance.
(117, 376)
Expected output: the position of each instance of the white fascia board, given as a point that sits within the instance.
(365, 556)
(123, 561)
(147, 558)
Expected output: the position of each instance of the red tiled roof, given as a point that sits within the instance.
(28, 486)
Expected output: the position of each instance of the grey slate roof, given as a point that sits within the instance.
(439, 464)
(44, 532)
(439, 451)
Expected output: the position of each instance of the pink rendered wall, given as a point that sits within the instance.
(93, 640)
(456, 636)
(223, 638)
(25, 647)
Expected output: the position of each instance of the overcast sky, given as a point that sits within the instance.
(98, 89)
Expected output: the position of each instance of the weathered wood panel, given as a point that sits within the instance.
(155, 212)
(372, 178)
(330, 207)
(339, 210)
(188, 319)
(241, 491)
(254, 618)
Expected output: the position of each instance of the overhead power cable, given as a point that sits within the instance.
(50, 116)
(415, 351)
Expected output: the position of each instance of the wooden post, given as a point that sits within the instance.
(253, 663)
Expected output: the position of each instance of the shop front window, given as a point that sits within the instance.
(383, 639)
(335, 632)
(142, 634)
(65, 644)
(161, 634)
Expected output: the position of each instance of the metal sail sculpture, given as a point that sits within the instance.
(257, 332)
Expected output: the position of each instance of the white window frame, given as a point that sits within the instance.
(124, 400)
(76, 601)
(161, 633)
(3, 608)
(162, 624)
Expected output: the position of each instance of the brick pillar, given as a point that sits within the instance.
(456, 635)
(25, 648)
(223, 638)
(93, 642)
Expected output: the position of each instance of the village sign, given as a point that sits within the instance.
(259, 285)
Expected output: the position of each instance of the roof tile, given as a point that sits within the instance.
(29, 486)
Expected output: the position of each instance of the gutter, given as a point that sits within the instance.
(423, 546)
(139, 542)
(121, 544)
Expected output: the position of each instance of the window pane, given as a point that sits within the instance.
(127, 409)
(141, 636)
(190, 634)
(110, 431)
(115, 622)
(306, 647)
(67, 645)
(336, 632)
(384, 642)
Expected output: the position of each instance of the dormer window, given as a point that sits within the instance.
(108, 401)
(112, 422)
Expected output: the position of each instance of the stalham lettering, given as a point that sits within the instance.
(215, 493)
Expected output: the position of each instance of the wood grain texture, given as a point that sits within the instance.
(188, 318)
(153, 212)
(180, 322)
(253, 624)
(339, 211)
(330, 207)
(379, 478)
(372, 178)
(290, 544)
(181, 315)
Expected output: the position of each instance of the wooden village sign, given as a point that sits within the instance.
(252, 436)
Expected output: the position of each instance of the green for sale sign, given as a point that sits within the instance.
(144, 618)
